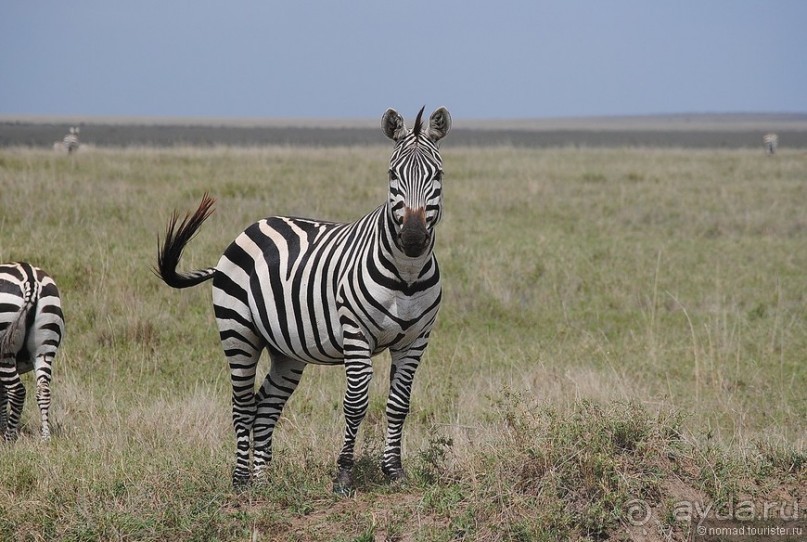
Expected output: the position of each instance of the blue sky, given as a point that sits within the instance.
(483, 60)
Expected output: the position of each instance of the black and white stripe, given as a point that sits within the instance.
(70, 141)
(770, 141)
(312, 291)
(31, 330)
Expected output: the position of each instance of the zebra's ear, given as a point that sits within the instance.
(439, 124)
(393, 125)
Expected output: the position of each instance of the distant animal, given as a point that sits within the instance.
(70, 141)
(313, 291)
(771, 142)
(31, 330)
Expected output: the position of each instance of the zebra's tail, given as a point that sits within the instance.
(176, 237)
(15, 332)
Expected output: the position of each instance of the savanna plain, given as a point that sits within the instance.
(623, 330)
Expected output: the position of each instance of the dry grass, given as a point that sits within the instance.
(604, 309)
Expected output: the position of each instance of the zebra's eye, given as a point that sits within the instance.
(392, 175)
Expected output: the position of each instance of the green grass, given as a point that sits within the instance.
(617, 324)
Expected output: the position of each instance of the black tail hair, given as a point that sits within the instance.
(176, 237)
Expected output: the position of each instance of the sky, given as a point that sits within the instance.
(503, 59)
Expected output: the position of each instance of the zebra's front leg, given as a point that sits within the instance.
(402, 373)
(281, 381)
(359, 373)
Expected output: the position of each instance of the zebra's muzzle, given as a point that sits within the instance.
(414, 237)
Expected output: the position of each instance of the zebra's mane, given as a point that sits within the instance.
(418, 123)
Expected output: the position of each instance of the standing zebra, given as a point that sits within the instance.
(70, 141)
(311, 291)
(31, 329)
(770, 141)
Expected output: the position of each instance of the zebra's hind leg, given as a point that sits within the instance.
(241, 347)
(281, 381)
(43, 366)
(3, 409)
(15, 392)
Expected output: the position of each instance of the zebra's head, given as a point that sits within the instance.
(415, 178)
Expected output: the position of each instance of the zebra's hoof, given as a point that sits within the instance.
(396, 475)
(343, 483)
(393, 471)
(241, 481)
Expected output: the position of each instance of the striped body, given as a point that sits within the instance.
(770, 141)
(312, 291)
(31, 330)
(70, 141)
(303, 276)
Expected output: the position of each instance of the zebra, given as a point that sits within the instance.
(314, 291)
(31, 330)
(70, 141)
(770, 142)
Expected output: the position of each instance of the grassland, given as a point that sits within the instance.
(618, 325)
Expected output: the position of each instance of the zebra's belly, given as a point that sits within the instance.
(303, 327)
(309, 329)
(25, 365)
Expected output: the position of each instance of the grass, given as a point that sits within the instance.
(618, 324)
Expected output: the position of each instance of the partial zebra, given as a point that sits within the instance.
(771, 142)
(312, 291)
(31, 330)
(70, 141)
